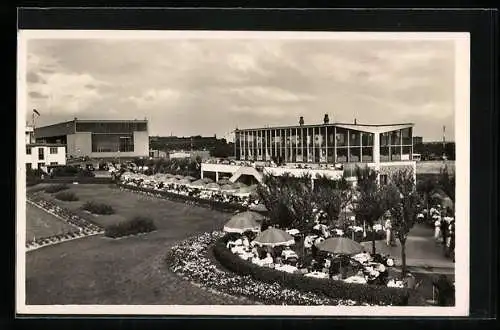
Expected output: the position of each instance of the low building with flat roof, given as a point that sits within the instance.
(98, 138)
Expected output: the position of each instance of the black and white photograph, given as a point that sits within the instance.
(243, 173)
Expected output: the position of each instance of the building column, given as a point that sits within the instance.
(376, 154)
(216, 176)
(202, 174)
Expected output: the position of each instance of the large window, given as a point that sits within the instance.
(341, 137)
(384, 154)
(41, 155)
(407, 136)
(367, 154)
(354, 138)
(384, 139)
(28, 150)
(354, 154)
(341, 155)
(53, 150)
(112, 142)
(367, 139)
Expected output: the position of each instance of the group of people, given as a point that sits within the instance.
(444, 229)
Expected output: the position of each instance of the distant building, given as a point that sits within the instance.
(417, 140)
(43, 155)
(98, 138)
(157, 154)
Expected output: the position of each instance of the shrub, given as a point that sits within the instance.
(372, 294)
(98, 208)
(85, 174)
(66, 196)
(56, 188)
(136, 225)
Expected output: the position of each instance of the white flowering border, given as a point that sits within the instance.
(190, 260)
(84, 227)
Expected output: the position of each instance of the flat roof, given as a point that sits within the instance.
(360, 127)
(41, 144)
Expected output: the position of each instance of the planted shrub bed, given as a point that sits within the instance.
(66, 196)
(56, 188)
(371, 294)
(193, 260)
(136, 225)
(98, 208)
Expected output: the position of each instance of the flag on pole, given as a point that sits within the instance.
(36, 112)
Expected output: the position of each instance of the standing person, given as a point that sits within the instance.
(388, 231)
(437, 228)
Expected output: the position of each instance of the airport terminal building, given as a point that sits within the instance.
(98, 138)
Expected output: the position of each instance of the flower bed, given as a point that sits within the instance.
(66, 196)
(85, 227)
(372, 294)
(191, 259)
(133, 226)
(98, 208)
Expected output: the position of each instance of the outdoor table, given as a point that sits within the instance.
(317, 275)
(355, 279)
(286, 268)
(395, 284)
(238, 249)
(289, 254)
(245, 255)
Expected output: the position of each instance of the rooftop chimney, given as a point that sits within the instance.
(326, 120)
(354, 121)
(301, 121)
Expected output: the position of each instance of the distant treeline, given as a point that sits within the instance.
(434, 150)
(216, 147)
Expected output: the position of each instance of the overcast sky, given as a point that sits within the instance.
(206, 87)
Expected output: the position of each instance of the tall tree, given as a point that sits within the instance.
(447, 182)
(404, 213)
(372, 200)
(332, 196)
(274, 194)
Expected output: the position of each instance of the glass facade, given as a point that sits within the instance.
(112, 142)
(321, 144)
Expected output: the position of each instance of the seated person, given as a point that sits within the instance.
(268, 260)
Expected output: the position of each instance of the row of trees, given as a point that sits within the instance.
(291, 201)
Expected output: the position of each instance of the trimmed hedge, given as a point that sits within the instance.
(98, 208)
(66, 196)
(372, 294)
(56, 188)
(136, 225)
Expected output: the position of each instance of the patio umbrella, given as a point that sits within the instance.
(169, 175)
(207, 180)
(340, 245)
(274, 237)
(241, 223)
(239, 184)
(227, 187)
(198, 183)
(190, 178)
(179, 177)
(184, 181)
(258, 208)
(212, 186)
(224, 182)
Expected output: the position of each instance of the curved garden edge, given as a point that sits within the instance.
(60, 238)
(192, 260)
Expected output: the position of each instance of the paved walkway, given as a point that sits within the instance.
(422, 252)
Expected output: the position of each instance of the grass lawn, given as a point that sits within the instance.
(41, 224)
(100, 270)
